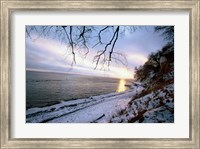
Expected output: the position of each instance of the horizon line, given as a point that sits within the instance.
(62, 72)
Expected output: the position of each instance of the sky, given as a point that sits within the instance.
(51, 54)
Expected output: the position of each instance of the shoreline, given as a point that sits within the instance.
(67, 100)
(41, 92)
(68, 111)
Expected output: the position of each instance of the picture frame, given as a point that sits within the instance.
(9, 7)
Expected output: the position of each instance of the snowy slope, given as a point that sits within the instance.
(155, 104)
(155, 107)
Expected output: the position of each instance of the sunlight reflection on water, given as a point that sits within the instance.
(121, 87)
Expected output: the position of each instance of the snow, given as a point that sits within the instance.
(137, 83)
(154, 107)
(158, 115)
(163, 59)
(89, 110)
(149, 101)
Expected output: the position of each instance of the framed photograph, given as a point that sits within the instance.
(100, 74)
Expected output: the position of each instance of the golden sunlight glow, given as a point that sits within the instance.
(121, 86)
(121, 73)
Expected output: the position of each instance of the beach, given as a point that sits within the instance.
(96, 109)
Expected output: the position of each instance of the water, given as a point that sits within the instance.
(47, 88)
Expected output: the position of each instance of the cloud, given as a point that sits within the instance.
(50, 54)
(137, 59)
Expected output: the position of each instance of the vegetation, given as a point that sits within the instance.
(154, 65)
(155, 103)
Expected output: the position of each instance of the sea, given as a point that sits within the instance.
(48, 88)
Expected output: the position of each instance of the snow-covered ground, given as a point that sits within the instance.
(95, 109)
(154, 107)
(124, 107)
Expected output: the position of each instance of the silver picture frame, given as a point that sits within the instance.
(9, 7)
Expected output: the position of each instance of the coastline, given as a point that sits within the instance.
(87, 110)
(45, 89)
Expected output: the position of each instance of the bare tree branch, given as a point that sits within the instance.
(82, 35)
(78, 38)
(117, 31)
(119, 57)
(99, 35)
(27, 32)
(70, 41)
(97, 57)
